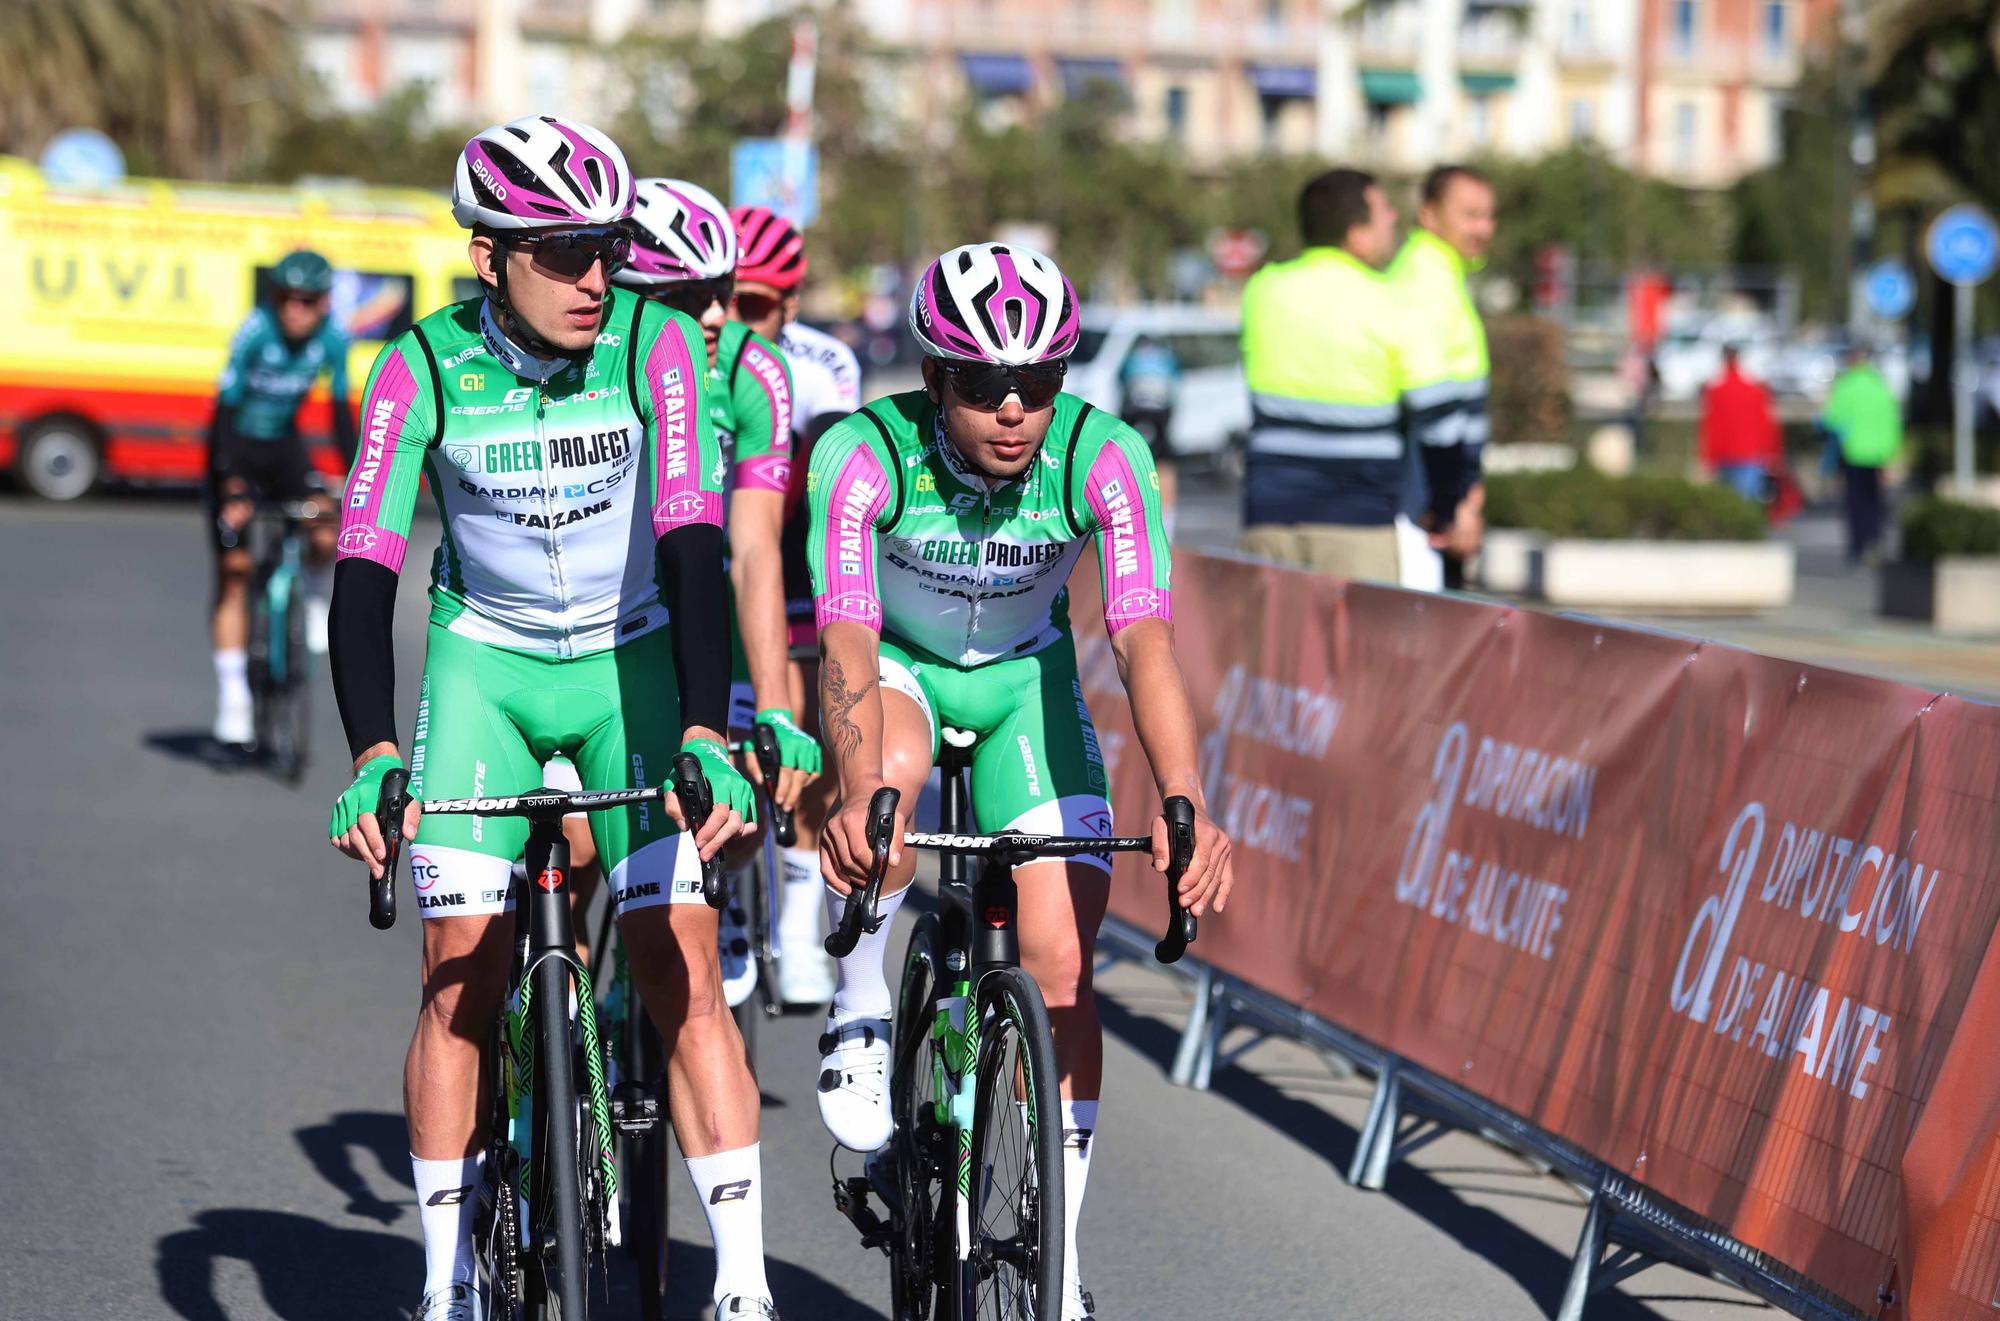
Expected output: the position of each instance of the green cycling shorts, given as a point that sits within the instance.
(1036, 766)
(488, 720)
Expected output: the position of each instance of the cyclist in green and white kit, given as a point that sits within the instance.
(944, 525)
(684, 255)
(578, 608)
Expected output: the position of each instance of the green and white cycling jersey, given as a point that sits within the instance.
(750, 403)
(908, 541)
(547, 475)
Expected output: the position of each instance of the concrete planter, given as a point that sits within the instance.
(1959, 594)
(1695, 577)
(1510, 561)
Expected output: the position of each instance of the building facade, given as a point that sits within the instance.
(1691, 90)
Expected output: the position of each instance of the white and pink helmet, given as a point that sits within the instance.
(679, 232)
(994, 302)
(541, 172)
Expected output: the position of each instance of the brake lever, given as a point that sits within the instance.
(1179, 813)
(764, 742)
(691, 787)
(861, 911)
(389, 809)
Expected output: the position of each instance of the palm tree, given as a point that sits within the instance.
(1934, 78)
(184, 85)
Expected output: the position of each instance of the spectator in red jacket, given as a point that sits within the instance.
(1739, 431)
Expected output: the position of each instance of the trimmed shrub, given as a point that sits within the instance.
(1585, 503)
(1934, 528)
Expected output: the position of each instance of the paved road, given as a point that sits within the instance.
(202, 1041)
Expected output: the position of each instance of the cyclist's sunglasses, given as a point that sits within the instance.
(756, 307)
(306, 296)
(568, 254)
(987, 385)
(695, 297)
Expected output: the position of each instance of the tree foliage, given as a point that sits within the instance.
(184, 86)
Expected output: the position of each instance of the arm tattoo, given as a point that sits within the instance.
(840, 703)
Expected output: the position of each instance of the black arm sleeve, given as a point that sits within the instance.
(360, 631)
(222, 441)
(345, 437)
(694, 588)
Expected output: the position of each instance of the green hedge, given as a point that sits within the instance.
(1583, 502)
(1934, 528)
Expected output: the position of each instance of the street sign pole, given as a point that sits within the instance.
(1964, 248)
(1963, 370)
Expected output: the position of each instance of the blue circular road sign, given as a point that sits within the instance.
(79, 156)
(1890, 289)
(1963, 246)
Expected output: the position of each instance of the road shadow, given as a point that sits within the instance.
(1541, 1270)
(308, 1271)
(331, 1148)
(198, 747)
(691, 1276)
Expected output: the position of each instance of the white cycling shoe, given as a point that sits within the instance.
(732, 939)
(235, 720)
(805, 971)
(736, 1305)
(454, 1302)
(854, 1083)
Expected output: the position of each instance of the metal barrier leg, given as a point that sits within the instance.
(1378, 1131)
(1211, 1041)
(1589, 1251)
(1196, 1031)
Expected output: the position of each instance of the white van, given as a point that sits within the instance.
(1212, 410)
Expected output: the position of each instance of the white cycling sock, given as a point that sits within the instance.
(799, 909)
(1079, 1139)
(861, 991)
(447, 1204)
(232, 676)
(730, 1185)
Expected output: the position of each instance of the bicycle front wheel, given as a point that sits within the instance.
(920, 1150)
(1016, 1210)
(287, 700)
(644, 1178)
(557, 1184)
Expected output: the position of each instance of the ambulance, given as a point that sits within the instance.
(120, 301)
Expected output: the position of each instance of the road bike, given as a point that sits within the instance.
(280, 667)
(972, 1179)
(549, 1203)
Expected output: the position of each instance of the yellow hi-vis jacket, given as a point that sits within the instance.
(1448, 392)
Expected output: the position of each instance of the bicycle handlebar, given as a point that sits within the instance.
(691, 787)
(860, 913)
(389, 808)
(764, 742)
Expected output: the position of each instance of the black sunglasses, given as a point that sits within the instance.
(695, 297)
(755, 307)
(568, 254)
(987, 385)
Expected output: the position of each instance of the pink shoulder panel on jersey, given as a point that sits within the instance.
(771, 471)
(1132, 586)
(860, 489)
(384, 414)
(679, 498)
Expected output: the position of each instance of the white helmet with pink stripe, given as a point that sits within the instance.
(679, 232)
(994, 302)
(541, 172)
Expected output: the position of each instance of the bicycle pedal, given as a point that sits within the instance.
(635, 1110)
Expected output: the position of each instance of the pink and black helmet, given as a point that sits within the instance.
(541, 172)
(994, 302)
(679, 232)
(768, 249)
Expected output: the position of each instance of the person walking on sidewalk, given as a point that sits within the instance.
(1863, 417)
(1739, 431)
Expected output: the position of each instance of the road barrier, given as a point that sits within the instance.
(1711, 934)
